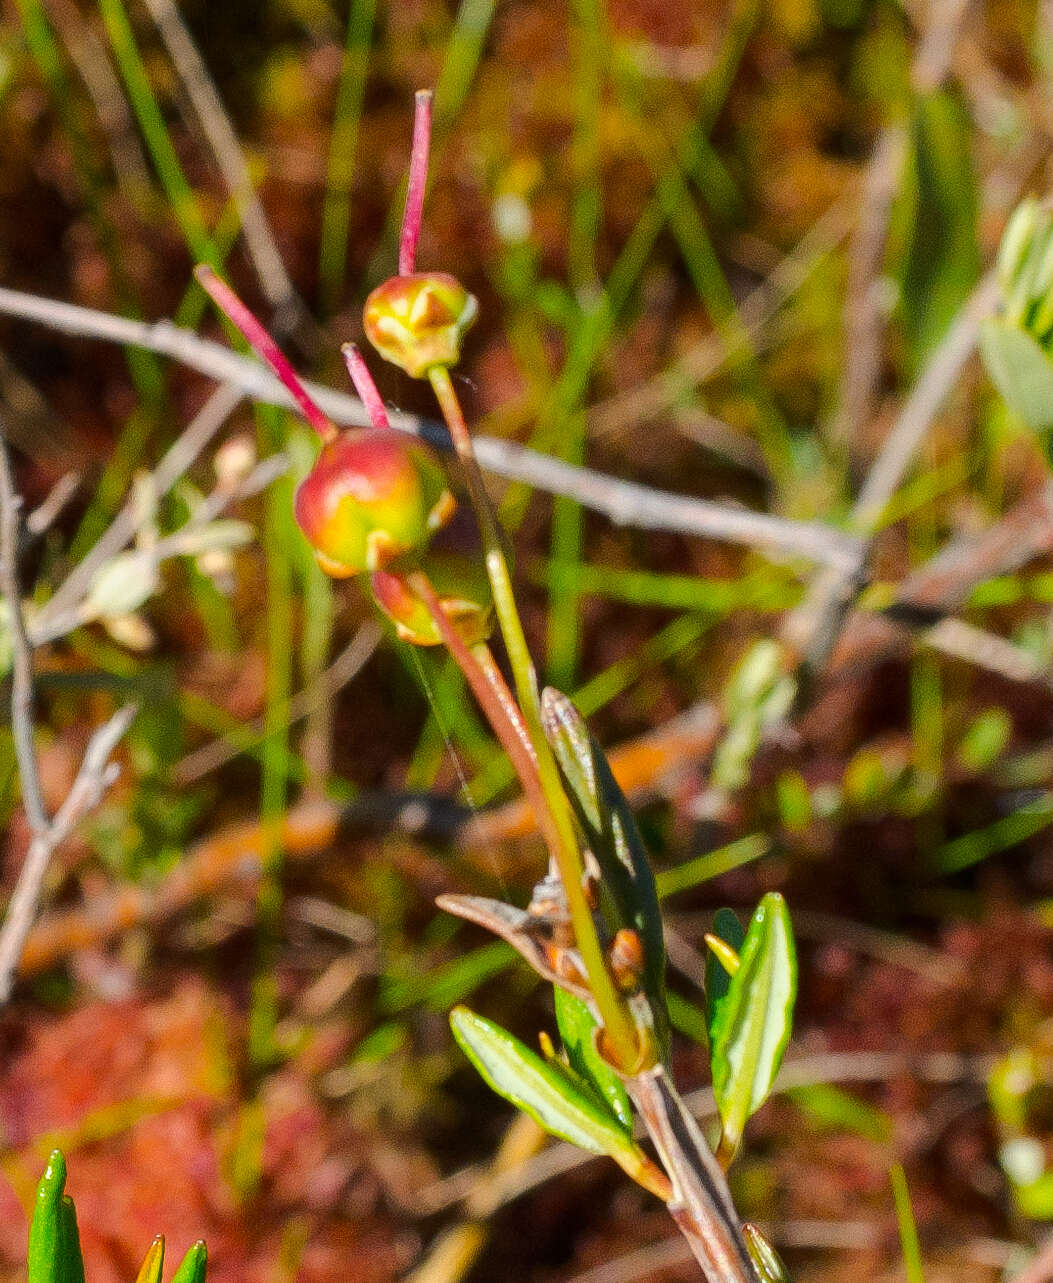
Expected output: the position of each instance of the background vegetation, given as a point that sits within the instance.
(716, 248)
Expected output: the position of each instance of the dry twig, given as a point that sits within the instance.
(97, 772)
(622, 502)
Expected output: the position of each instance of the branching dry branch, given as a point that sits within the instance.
(97, 772)
(622, 502)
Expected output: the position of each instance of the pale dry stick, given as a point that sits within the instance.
(865, 312)
(866, 307)
(458, 1247)
(45, 514)
(961, 640)
(179, 458)
(216, 126)
(178, 544)
(914, 420)
(22, 694)
(347, 665)
(97, 772)
(622, 502)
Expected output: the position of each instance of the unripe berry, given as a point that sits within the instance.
(418, 321)
(463, 591)
(372, 494)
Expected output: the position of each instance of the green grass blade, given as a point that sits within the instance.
(908, 1229)
(343, 148)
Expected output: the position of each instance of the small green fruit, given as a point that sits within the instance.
(419, 321)
(371, 495)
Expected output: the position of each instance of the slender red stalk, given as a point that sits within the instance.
(228, 302)
(494, 705)
(418, 178)
(365, 387)
(496, 678)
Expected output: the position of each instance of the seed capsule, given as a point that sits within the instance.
(371, 495)
(419, 321)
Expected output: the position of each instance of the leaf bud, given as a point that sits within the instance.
(418, 321)
(372, 494)
(766, 1261)
(626, 957)
(463, 590)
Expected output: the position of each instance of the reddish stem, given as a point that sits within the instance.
(228, 302)
(493, 705)
(365, 387)
(496, 678)
(418, 178)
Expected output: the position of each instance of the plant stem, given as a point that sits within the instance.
(507, 727)
(485, 657)
(232, 306)
(418, 178)
(618, 1023)
(701, 1203)
(365, 387)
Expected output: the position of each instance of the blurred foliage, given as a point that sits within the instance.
(655, 205)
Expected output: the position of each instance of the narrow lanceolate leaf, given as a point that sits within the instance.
(577, 1028)
(628, 891)
(153, 1262)
(1020, 370)
(552, 1095)
(728, 928)
(72, 1260)
(543, 1089)
(193, 1267)
(753, 1024)
(48, 1253)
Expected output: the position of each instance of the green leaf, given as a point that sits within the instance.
(985, 740)
(577, 1028)
(72, 1260)
(628, 892)
(545, 1090)
(831, 1108)
(758, 693)
(753, 1023)
(1020, 370)
(943, 260)
(193, 1267)
(727, 927)
(51, 1250)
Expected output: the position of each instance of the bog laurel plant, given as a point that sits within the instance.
(370, 507)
